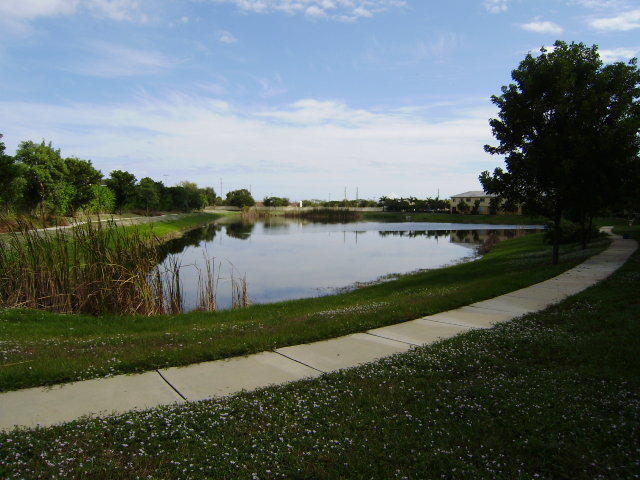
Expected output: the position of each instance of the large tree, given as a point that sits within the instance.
(276, 202)
(568, 128)
(195, 197)
(45, 173)
(83, 177)
(11, 180)
(147, 196)
(209, 196)
(240, 198)
(123, 185)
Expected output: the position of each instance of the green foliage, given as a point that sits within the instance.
(413, 204)
(83, 177)
(568, 128)
(209, 196)
(123, 185)
(147, 196)
(45, 172)
(569, 232)
(240, 198)
(276, 202)
(195, 198)
(462, 206)
(39, 181)
(494, 205)
(12, 181)
(103, 200)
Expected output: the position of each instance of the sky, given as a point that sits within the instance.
(297, 98)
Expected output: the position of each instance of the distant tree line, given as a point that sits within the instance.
(413, 204)
(276, 202)
(39, 180)
(360, 203)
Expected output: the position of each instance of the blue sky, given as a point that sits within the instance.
(290, 97)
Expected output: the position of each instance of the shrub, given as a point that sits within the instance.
(569, 232)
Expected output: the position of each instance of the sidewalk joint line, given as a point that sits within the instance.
(298, 361)
(171, 385)
(501, 311)
(394, 339)
(467, 325)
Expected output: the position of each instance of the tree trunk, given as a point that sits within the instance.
(556, 237)
(590, 230)
(583, 232)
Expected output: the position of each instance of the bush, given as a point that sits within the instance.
(103, 201)
(569, 232)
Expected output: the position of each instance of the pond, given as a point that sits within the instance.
(285, 259)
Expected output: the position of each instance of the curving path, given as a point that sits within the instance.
(62, 403)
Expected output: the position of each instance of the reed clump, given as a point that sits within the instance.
(93, 268)
(322, 215)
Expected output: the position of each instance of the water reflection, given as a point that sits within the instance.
(240, 230)
(288, 259)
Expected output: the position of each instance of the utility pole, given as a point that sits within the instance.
(345, 194)
(357, 194)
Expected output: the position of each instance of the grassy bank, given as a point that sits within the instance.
(175, 224)
(41, 348)
(553, 395)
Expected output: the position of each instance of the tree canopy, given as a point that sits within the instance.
(276, 202)
(240, 198)
(39, 180)
(568, 128)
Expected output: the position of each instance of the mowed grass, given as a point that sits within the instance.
(40, 348)
(552, 395)
(175, 224)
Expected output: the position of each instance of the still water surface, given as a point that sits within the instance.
(285, 259)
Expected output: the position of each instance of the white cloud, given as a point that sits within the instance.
(227, 37)
(315, 11)
(271, 87)
(496, 6)
(539, 26)
(29, 9)
(623, 21)
(399, 55)
(16, 15)
(119, 10)
(342, 10)
(618, 54)
(114, 60)
(602, 4)
(303, 150)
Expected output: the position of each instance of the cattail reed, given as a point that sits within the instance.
(94, 268)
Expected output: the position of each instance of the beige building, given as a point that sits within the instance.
(470, 199)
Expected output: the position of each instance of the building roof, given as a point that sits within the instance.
(474, 194)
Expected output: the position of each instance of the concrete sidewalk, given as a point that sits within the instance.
(62, 403)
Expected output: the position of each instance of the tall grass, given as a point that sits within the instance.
(94, 268)
(322, 215)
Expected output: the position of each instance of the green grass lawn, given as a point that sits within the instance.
(552, 395)
(40, 348)
(175, 224)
